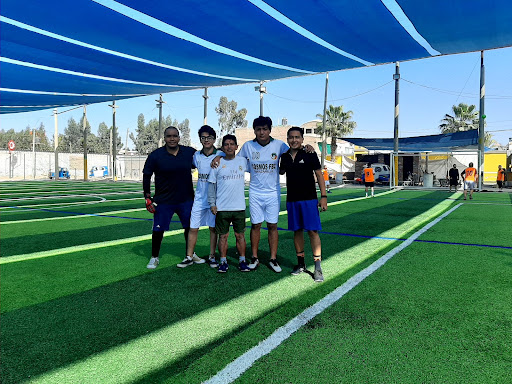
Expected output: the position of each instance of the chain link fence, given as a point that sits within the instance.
(30, 165)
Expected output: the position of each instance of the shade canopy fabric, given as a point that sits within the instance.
(60, 53)
(447, 142)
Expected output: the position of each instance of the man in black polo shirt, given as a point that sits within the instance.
(301, 199)
(174, 192)
(453, 175)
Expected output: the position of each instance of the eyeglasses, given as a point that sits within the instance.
(207, 138)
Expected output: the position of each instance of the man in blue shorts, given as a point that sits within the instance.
(301, 199)
(174, 192)
(226, 196)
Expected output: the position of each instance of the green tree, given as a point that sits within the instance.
(338, 124)
(464, 117)
(24, 139)
(229, 117)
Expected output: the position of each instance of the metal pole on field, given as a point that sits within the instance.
(396, 77)
(34, 150)
(481, 128)
(114, 138)
(205, 114)
(56, 144)
(324, 138)
(261, 89)
(110, 172)
(159, 106)
(84, 125)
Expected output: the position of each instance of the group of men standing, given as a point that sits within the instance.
(470, 177)
(219, 200)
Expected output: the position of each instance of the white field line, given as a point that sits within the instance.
(236, 368)
(103, 244)
(93, 194)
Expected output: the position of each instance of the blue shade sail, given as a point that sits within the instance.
(433, 143)
(127, 48)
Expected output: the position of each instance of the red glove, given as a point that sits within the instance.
(150, 205)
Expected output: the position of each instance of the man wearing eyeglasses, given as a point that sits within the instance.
(201, 214)
(174, 192)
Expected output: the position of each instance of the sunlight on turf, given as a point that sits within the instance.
(155, 351)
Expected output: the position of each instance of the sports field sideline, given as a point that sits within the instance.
(417, 290)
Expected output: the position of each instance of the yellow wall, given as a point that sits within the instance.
(491, 162)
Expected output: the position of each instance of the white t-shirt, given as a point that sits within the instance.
(202, 163)
(264, 165)
(229, 176)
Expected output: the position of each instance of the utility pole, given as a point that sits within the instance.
(84, 126)
(55, 144)
(34, 148)
(324, 138)
(205, 114)
(114, 136)
(159, 106)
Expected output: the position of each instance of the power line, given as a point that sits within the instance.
(456, 92)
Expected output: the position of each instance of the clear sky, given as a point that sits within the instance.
(428, 90)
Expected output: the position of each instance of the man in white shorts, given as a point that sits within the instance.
(263, 154)
(201, 214)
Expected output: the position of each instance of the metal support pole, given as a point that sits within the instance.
(110, 168)
(481, 128)
(205, 114)
(159, 106)
(396, 77)
(34, 151)
(261, 89)
(84, 126)
(114, 138)
(56, 144)
(324, 138)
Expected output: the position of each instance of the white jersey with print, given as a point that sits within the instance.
(264, 165)
(230, 179)
(202, 163)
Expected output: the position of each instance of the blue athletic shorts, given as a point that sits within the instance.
(164, 213)
(303, 215)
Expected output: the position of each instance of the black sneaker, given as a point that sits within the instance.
(223, 268)
(318, 276)
(212, 262)
(186, 262)
(298, 269)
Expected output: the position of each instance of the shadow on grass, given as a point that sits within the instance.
(54, 334)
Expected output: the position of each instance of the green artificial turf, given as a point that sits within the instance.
(93, 313)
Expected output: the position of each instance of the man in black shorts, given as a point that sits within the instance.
(174, 192)
(453, 175)
(301, 199)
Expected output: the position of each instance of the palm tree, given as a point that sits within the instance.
(465, 117)
(338, 124)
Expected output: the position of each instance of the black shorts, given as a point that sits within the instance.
(369, 184)
(454, 182)
(500, 183)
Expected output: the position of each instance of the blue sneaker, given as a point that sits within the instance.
(243, 267)
(223, 268)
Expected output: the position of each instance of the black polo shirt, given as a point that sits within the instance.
(453, 173)
(173, 176)
(300, 177)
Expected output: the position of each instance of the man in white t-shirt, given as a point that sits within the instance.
(263, 154)
(226, 197)
(201, 214)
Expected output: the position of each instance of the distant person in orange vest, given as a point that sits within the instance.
(453, 175)
(500, 178)
(326, 179)
(470, 176)
(369, 178)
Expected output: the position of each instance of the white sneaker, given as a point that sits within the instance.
(254, 263)
(274, 265)
(196, 259)
(153, 263)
